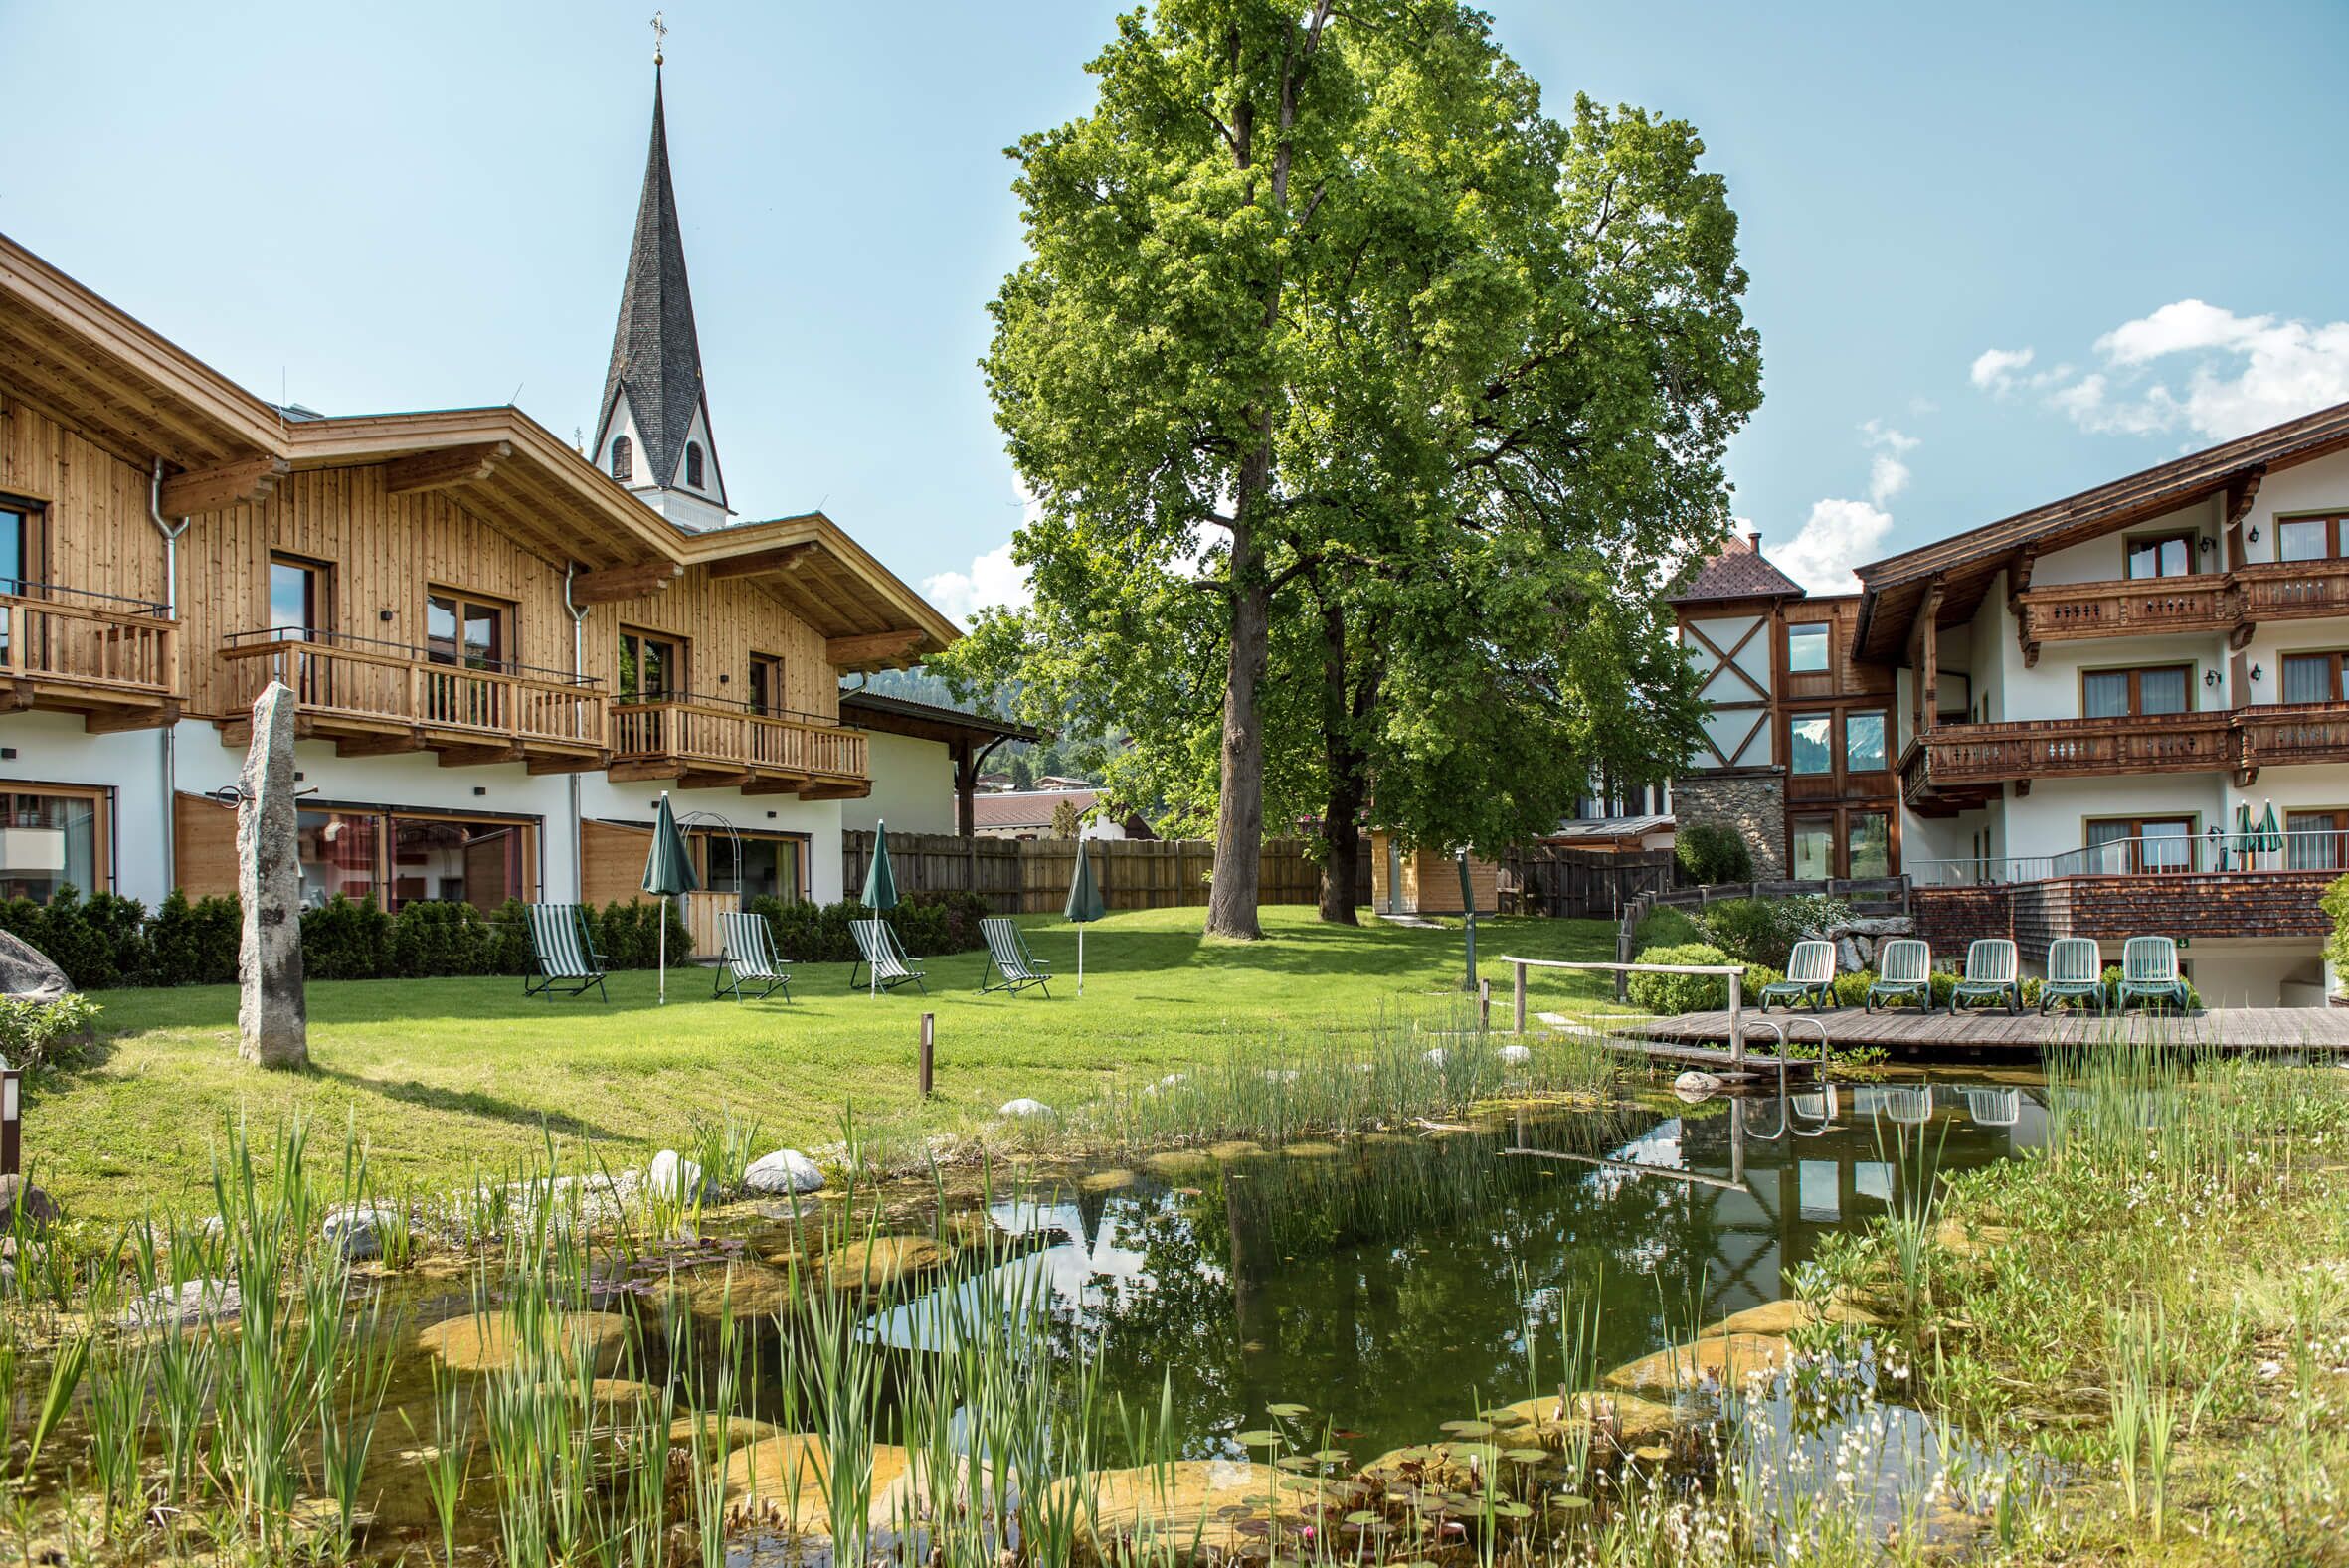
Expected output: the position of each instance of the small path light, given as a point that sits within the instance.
(11, 1119)
(929, 1051)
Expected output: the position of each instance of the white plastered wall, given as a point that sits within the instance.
(1746, 679)
(913, 787)
(53, 748)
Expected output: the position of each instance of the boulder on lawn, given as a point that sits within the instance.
(26, 974)
(784, 1172)
(23, 1204)
(679, 1179)
(1024, 1107)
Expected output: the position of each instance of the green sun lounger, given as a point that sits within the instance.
(1810, 977)
(1007, 957)
(2149, 972)
(1904, 972)
(748, 958)
(880, 952)
(563, 950)
(1991, 964)
(2074, 973)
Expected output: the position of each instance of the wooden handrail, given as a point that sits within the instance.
(737, 737)
(86, 645)
(2027, 749)
(372, 684)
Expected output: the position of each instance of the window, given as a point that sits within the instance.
(1868, 844)
(2160, 555)
(767, 867)
(1806, 648)
(1864, 747)
(2114, 694)
(2123, 845)
(651, 667)
(623, 459)
(50, 841)
(340, 855)
(1814, 848)
(400, 858)
(16, 545)
(299, 604)
(693, 464)
(767, 684)
(2313, 840)
(462, 630)
(2312, 677)
(1810, 747)
(2308, 538)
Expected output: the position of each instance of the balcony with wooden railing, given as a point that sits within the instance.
(2141, 608)
(708, 743)
(2292, 590)
(2275, 734)
(112, 660)
(373, 698)
(1983, 753)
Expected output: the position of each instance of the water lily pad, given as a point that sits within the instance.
(1469, 1428)
(1570, 1503)
(1261, 1438)
(1288, 1412)
(1654, 1452)
(1332, 1456)
(1528, 1456)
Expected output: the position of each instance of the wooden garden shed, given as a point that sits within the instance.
(1426, 881)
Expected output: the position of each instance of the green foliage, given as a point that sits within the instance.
(929, 924)
(1367, 411)
(1676, 994)
(193, 942)
(1666, 926)
(1764, 930)
(1710, 853)
(2336, 905)
(31, 1032)
(627, 934)
(346, 939)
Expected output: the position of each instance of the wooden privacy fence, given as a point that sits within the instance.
(1031, 876)
(1581, 884)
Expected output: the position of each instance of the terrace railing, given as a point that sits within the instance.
(369, 681)
(2292, 590)
(2306, 850)
(1961, 753)
(721, 733)
(77, 637)
(2145, 607)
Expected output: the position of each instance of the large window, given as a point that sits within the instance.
(50, 840)
(1806, 648)
(1863, 745)
(2314, 839)
(2308, 538)
(462, 628)
(298, 597)
(1814, 847)
(2114, 694)
(767, 867)
(2123, 845)
(1810, 743)
(1868, 844)
(2314, 677)
(2160, 555)
(652, 666)
(17, 551)
(404, 858)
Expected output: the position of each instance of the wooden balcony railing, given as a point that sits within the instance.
(2143, 607)
(683, 733)
(113, 660)
(2293, 590)
(2273, 734)
(350, 686)
(1975, 754)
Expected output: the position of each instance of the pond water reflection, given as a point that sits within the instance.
(1398, 1283)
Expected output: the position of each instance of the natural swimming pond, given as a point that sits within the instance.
(1319, 1343)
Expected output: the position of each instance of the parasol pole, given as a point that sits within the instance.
(664, 949)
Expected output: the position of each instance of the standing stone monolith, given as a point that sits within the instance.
(273, 1017)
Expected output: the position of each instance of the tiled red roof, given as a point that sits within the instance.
(1025, 808)
(1739, 572)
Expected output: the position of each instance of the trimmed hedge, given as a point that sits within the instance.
(929, 924)
(108, 940)
(1710, 853)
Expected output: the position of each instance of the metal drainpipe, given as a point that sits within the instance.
(577, 669)
(170, 731)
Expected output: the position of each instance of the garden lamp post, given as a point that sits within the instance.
(11, 1121)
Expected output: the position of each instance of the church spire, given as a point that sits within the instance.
(653, 436)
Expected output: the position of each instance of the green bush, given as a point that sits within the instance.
(98, 943)
(194, 944)
(1676, 994)
(1667, 925)
(927, 923)
(346, 939)
(2335, 904)
(1764, 930)
(1710, 853)
(31, 1032)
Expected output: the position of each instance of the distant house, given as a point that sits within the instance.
(1063, 781)
(1027, 813)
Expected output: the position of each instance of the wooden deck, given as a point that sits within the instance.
(2312, 1029)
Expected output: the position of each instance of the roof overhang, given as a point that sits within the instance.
(869, 619)
(1966, 564)
(870, 710)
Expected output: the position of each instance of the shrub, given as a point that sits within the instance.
(1675, 993)
(1764, 930)
(1667, 925)
(2335, 904)
(194, 944)
(98, 943)
(929, 924)
(1713, 852)
(31, 1032)
(346, 940)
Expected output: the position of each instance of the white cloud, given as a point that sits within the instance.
(1995, 369)
(994, 579)
(2190, 367)
(1888, 475)
(1836, 537)
(1879, 433)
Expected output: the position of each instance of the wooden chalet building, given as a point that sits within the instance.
(2084, 706)
(504, 649)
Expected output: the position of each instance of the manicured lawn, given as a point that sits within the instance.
(442, 1076)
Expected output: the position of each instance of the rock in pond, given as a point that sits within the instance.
(1720, 1360)
(482, 1344)
(26, 972)
(1024, 1107)
(1627, 1420)
(356, 1231)
(785, 1171)
(1107, 1181)
(196, 1301)
(678, 1179)
(1785, 1317)
(1208, 1498)
(23, 1204)
(739, 1433)
(883, 1263)
(1178, 1164)
(1693, 1086)
(767, 1472)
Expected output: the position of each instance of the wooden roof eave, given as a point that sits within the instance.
(835, 573)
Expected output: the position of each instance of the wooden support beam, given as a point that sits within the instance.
(217, 489)
(836, 791)
(633, 769)
(114, 721)
(377, 744)
(475, 756)
(713, 778)
(769, 783)
(2240, 492)
(437, 470)
(783, 557)
(567, 761)
(874, 648)
(633, 580)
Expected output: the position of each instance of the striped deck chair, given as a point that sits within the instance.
(880, 952)
(1905, 973)
(1989, 976)
(1910, 1107)
(1810, 977)
(2075, 975)
(564, 950)
(1994, 1107)
(2149, 971)
(1008, 955)
(748, 954)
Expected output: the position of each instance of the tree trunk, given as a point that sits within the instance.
(1344, 767)
(1239, 812)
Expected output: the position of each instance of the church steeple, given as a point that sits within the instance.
(655, 431)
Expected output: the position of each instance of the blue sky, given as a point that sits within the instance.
(379, 208)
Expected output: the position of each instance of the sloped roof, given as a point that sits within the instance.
(1741, 571)
(656, 351)
(1018, 809)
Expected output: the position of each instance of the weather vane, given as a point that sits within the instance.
(661, 30)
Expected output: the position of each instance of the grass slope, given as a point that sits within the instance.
(441, 1077)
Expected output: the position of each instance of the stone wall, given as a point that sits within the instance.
(1751, 801)
(2112, 909)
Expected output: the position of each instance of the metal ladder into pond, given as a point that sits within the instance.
(1787, 1122)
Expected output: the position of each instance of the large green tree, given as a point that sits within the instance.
(1368, 412)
